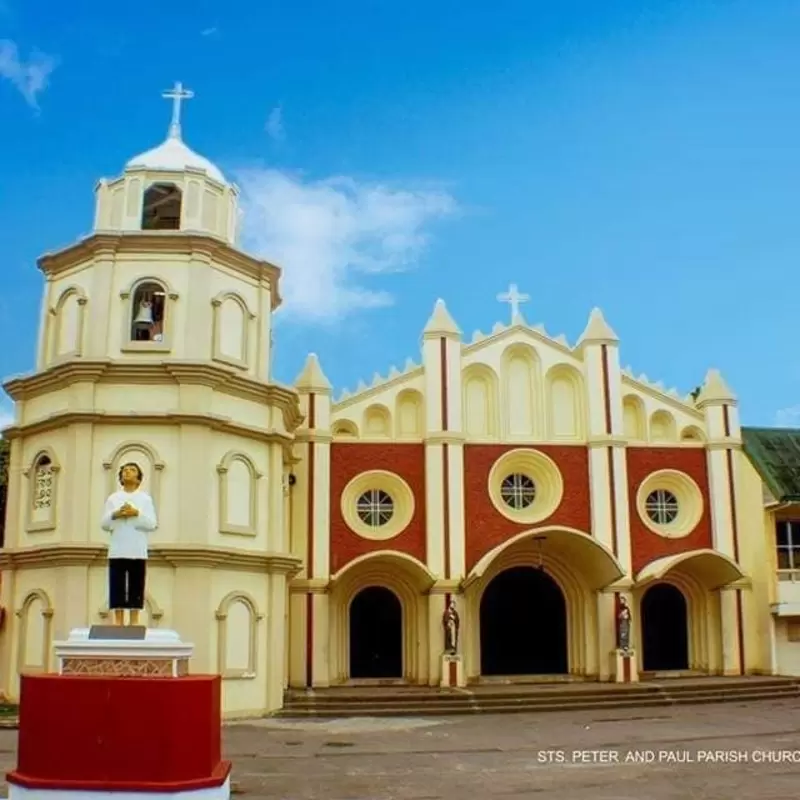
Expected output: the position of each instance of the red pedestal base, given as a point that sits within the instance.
(83, 734)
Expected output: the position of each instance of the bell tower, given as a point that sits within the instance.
(154, 347)
(165, 276)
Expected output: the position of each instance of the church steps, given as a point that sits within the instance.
(408, 701)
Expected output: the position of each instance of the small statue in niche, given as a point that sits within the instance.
(451, 623)
(624, 625)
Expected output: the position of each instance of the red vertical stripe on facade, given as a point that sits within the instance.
(611, 472)
(310, 532)
(445, 461)
(735, 536)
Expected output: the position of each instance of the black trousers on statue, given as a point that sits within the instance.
(126, 583)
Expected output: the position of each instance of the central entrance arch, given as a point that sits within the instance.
(523, 617)
(665, 629)
(376, 634)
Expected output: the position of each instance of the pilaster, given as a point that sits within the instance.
(15, 498)
(195, 522)
(97, 333)
(264, 339)
(444, 457)
(599, 346)
(314, 391)
(724, 434)
(45, 326)
(197, 309)
(729, 603)
(75, 519)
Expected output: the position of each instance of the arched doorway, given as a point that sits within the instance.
(523, 618)
(665, 629)
(376, 634)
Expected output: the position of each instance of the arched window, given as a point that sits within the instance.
(148, 312)
(161, 209)
(42, 478)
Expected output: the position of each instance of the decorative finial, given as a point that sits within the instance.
(514, 299)
(177, 94)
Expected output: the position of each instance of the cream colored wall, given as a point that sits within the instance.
(787, 646)
(758, 559)
(211, 439)
(208, 206)
(497, 370)
(235, 619)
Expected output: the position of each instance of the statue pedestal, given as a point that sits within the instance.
(117, 722)
(98, 651)
(452, 671)
(624, 666)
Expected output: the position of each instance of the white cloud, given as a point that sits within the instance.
(788, 417)
(274, 125)
(30, 77)
(327, 235)
(213, 31)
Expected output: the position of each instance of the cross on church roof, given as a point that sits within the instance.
(177, 94)
(514, 298)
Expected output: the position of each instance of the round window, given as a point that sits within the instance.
(661, 506)
(375, 508)
(518, 491)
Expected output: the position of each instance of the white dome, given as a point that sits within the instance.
(174, 156)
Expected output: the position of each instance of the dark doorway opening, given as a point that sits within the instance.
(665, 629)
(523, 624)
(376, 634)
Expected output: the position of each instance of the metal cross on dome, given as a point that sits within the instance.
(514, 298)
(177, 94)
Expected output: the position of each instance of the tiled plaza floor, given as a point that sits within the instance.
(477, 757)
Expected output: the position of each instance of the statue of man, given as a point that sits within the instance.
(624, 625)
(129, 515)
(451, 623)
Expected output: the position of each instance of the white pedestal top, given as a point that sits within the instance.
(157, 643)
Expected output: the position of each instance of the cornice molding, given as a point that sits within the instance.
(189, 373)
(214, 422)
(191, 244)
(64, 555)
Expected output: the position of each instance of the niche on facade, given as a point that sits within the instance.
(231, 325)
(521, 380)
(565, 416)
(663, 427)
(345, 429)
(237, 636)
(35, 632)
(634, 418)
(238, 495)
(691, 433)
(42, 476)
(148, 320)
(161, 207)
(410, 414)
(377, 421)
(480, 402)
(149, 462)
(66, 325)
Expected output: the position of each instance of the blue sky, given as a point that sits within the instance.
(643, 157)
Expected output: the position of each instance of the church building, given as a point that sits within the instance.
(531, 484)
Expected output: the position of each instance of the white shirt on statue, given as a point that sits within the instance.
(128, 539)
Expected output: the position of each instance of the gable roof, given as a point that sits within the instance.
(775, 453)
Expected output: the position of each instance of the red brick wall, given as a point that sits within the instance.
(646, 546)
(486, 527)
(349, 460)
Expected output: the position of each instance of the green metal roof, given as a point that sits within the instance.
(775, 453)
